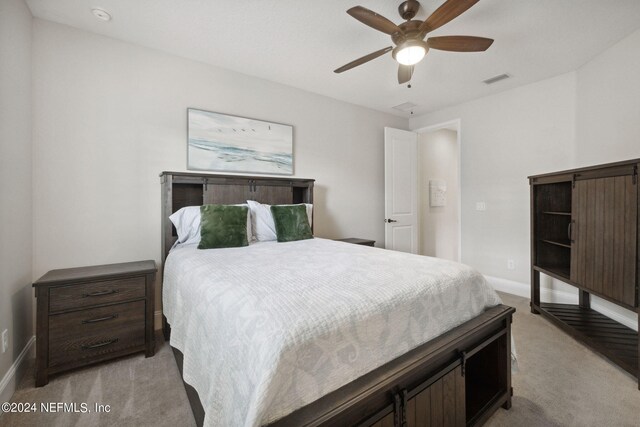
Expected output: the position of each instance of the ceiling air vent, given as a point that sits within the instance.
(407, 106)
(496, 79)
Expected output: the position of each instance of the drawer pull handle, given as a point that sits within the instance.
(100, 293)
(100, 344)
(100, 319)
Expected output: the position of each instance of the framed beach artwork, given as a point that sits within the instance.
(219, 142)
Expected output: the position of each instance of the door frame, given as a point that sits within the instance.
(450, 124)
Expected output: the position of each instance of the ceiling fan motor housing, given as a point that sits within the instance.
(410, 31)
(408, 9)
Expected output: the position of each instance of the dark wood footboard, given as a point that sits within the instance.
(459, 378)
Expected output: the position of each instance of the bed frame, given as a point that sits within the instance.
(459, 378)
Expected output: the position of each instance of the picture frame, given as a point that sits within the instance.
(226, 143)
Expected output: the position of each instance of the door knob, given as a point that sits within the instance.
(390, 220)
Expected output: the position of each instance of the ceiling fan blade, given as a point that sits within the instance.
(362, 60)
(372, 19)
(459, 43)
(404, 73)
(448, 11)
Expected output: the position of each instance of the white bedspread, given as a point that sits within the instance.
(271, 327)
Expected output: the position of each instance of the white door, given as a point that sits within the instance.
(400, 190)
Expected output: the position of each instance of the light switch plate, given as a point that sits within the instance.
(481, 206)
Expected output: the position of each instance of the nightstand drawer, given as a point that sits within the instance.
(96, 293)
(88, 333)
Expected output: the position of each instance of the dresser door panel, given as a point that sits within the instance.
(604, 214)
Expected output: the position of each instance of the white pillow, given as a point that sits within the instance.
(264, 228)
(187, 223)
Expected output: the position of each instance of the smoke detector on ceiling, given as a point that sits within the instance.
(101, 14)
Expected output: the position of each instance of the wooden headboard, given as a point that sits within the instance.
(180, 189)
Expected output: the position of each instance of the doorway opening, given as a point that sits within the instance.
(439, 192)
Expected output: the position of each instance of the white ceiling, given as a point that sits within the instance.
(299, 43)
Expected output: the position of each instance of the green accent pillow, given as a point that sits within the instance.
(291, 222)
(223, 226)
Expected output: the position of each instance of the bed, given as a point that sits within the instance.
(337, 334)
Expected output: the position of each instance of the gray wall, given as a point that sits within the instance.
(438, 156)
(16, 299)
(586, 117)
(608, 105)
(504, 138)
(110, 116)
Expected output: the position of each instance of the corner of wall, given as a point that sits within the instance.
(16, 191)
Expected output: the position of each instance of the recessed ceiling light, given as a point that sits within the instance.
(101, 14)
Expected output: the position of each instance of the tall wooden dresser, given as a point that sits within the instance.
(91, 314)
(584, 232)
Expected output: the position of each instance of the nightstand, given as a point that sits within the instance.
(356, 241)
(92, 314)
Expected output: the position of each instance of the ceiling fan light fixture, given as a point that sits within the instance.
(410, 52)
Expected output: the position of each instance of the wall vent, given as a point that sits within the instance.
(407, 106)
(496, 79)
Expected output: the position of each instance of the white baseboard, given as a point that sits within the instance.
(509, 286)
(10, 380)
(619, 314)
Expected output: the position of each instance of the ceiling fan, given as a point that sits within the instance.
(408, 37)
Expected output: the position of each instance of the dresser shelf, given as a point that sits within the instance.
(614, 340)
(559, 242)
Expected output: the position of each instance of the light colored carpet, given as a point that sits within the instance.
(140, 391)
(560, 383)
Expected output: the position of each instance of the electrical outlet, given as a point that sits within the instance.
(511, 264)
(481, 206)
(5, 340)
